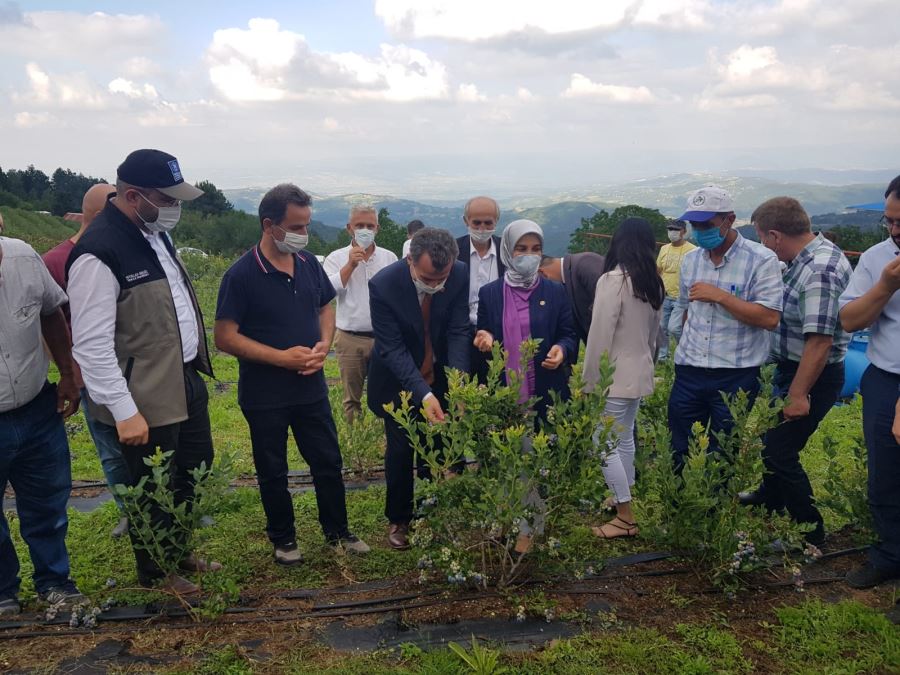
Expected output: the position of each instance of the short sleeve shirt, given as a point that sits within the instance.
(813, 282)
(884, 342)
(27, 292)
(669, 263)
(280, 311)
(712, 336)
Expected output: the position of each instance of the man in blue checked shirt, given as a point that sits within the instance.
(809, 349)
(872, 300)
(730, 297)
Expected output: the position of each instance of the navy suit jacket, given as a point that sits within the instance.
(551, 320)
(400, 335)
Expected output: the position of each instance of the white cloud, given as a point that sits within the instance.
(859, 97)
(74, 90)
(330, 125)
(710, 103)
(146, 91)
(266, 63)
(472, 20)
(581, 86)
(524, 94)
(98, 37)
(29, 120)
(468, 93)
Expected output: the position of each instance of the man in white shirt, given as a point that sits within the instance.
(872, 300)
(139, 338)
(349, 269)
(479, 251)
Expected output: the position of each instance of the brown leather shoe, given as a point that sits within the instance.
(178, 585)
(397, 536)
(194, 564)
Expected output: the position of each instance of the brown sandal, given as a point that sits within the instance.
(630, 529)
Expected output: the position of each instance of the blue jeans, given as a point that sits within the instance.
(34, 459)
(879, 392)
(697, 397)
(106, 440)
(668, 306)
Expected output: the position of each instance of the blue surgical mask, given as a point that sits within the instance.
(526, 265)
(709, 239)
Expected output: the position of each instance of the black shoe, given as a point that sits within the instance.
(868, 575)
(288, 554)
(65, 595)
(893, 615)
(754, 498)
(350, 543)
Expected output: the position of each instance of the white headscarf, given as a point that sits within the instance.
(511, 235)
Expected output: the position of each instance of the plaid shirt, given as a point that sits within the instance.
(712, 337)
(813, 282)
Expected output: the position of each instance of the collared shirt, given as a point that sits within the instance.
(712, 336)
(669, 263)
(813, 282)
(27, 292)
(406, 245)
(93, 307)
(482, 271)
(884, 340)
(280, 311)
(353, 299)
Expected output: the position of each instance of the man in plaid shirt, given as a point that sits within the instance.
(808, 348)
(730, 296)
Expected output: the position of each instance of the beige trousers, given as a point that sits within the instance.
(353, 352)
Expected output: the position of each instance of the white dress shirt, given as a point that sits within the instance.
(884, 341)
(406, 245)
(93, 291)
(482, 271)
(353, 299)
(27, 292)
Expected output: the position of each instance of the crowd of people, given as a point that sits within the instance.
(115, 307)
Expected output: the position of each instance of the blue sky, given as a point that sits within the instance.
(439, 97)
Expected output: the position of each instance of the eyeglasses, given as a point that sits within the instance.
(482, 223)
(889, 223)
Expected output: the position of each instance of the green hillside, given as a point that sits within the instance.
(41, 230)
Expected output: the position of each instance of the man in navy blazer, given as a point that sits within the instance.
(410, 353)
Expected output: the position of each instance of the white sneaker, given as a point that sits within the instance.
(351, 544)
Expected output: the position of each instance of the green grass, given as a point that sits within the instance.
(41, 230)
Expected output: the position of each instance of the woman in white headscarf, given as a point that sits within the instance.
(524, 305)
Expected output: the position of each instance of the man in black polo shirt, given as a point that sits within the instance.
(274, 315)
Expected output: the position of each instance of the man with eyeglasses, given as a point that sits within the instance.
(479, 251)
(140, 342)
(730, 296)
(872, 301)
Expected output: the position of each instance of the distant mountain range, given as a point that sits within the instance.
(561, 213)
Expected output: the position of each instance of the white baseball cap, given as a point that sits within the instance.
(706, 202)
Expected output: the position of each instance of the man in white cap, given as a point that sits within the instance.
(730, 296)
(139, 338)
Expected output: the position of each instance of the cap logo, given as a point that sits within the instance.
(175, 169)
(698, 200)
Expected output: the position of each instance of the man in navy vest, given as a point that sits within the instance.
(139, 338)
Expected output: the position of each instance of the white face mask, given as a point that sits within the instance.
(526, 265)
(674, 235)
(292, 243)
(422, 287)
(481, 236)
(364, 238)
(167, 217)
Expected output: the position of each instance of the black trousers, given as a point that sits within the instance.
(398, 473)
(785, 484)
(880, 390)
(191, 444)
(316, 436)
